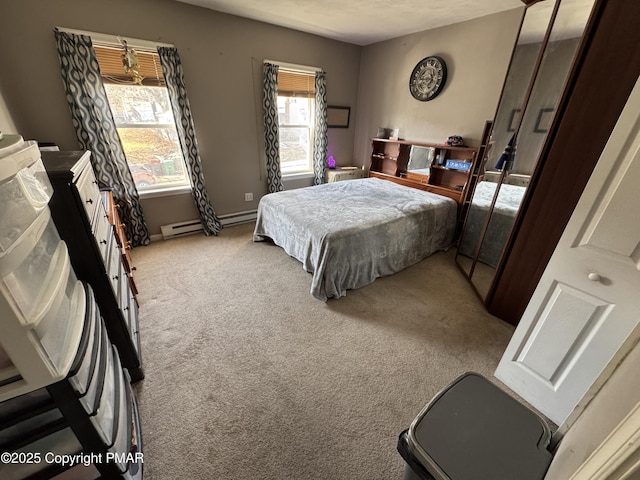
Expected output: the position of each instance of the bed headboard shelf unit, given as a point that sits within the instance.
(390, 160)
(388, 157)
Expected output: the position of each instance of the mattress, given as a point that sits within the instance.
(347, 234)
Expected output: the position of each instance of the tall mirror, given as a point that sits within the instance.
(517, 84)
(547, 44)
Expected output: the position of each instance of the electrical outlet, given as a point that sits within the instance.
(248, 197)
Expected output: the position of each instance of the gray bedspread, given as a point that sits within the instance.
(500, 225)
(349, 233)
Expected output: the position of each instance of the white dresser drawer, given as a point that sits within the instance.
(89, 192)
(114, 266)
(103, 231)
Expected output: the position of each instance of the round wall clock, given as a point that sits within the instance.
(428, 78)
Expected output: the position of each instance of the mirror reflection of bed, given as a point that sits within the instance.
(503, 215)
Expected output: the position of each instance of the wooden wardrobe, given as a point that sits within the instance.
(604, 72)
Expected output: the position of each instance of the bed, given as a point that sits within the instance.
(502, 218)
(347, 234)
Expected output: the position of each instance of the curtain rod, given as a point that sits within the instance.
(293, 66)
(115, 40)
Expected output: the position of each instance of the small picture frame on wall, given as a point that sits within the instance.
(513, 120)
(338, 117)
(543, 122)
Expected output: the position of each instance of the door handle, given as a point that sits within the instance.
(594, 277)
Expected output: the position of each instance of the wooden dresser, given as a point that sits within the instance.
(95, 251)
(124, 245)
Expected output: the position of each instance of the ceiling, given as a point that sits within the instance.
(360, 22)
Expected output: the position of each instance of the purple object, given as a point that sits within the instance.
(331, 163)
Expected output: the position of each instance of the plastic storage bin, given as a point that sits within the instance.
(31, 269)
(67, 309)
(124, 415)
(25, 191)
(28, 418)
(91, 399)
(42, 307)
(83, 366)
(473, 430)
(104, 419)
(10, 143)
(39, 422)
(37, 362)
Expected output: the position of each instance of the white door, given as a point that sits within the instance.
(588, 299)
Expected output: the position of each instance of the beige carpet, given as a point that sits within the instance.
(250, 377)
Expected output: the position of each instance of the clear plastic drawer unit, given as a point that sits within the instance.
(41, 302)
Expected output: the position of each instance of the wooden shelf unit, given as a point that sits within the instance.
(390, 158)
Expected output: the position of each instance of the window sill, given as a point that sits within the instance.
(297, 176)
(164, 192)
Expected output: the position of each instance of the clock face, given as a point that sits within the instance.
(428, 78)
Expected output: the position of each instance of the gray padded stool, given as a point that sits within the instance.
(473, 430)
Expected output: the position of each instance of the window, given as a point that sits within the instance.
(144, 120)
(296, 121)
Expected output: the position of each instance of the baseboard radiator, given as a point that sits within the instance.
(181, 228)
(238, 218)
(194, 226)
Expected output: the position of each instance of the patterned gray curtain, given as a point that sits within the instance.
(271, 135)
(320, 135)
(96, 130)
(174, 77)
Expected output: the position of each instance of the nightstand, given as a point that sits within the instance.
(343, 173)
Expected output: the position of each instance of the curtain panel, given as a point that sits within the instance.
(96, 129)
(271, 134)
(174, 78)
(320, 133)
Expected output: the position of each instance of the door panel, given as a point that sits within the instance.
(570, 320)
(608, 230)
(587, 302)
